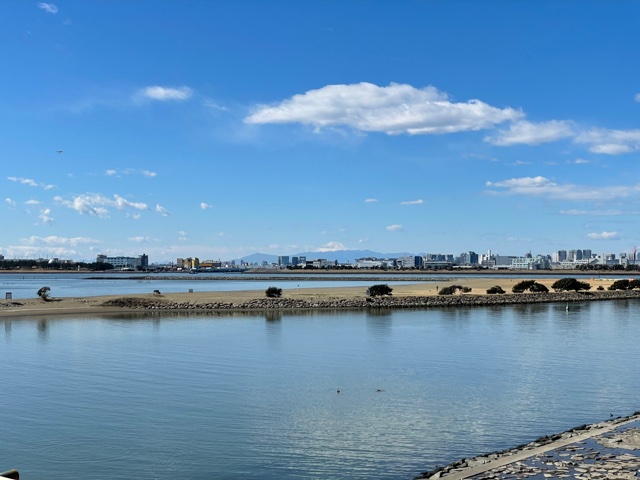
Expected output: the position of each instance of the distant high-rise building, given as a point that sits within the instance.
(284, 261)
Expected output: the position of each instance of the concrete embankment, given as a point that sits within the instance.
(137, 303)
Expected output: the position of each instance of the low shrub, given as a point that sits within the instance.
(379, 290)
(495, 290)
(273, 292)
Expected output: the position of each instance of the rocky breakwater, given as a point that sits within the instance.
(605, 450)
(466, 300)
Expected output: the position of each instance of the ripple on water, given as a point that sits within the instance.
(81, 450)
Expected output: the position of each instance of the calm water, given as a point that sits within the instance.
(79, 285)
(249, 396)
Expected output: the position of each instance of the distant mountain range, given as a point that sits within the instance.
(342, 256)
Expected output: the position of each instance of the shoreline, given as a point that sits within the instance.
(410, 296)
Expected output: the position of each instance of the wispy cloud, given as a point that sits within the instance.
(141, 239)
(610, 142)
(162, 211)
(205, 206)
(603, 236)
(130, 171)
(413, 202)
(215, 106)
(48, 7)
(543, 187)
(45, 216)
(591, 212)
(60, 241)
(183, 236)
(32, 202)
(10, 202)
(30, 182)
(530, 133)
(581, 161)
(636, 97)
(394, 228)
(97, 204)
(370, 200)
(395, 109)
(160, 93)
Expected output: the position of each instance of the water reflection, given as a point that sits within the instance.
(379, 323)
(43, 330)
(460, 316)
(273, 315)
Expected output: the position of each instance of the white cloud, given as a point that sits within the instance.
(45, 216)
(10, 202)
(23, 181)
(636, 97)
(610, 142)
(32, 202)
(60, 241)
(183, 236)
(205, 206)
(591, 212)
(603, 236)
(157, 92)
(141, 239)
(581, 161)
(162, 211)
(130, 171)
(213, 105)
(529, 133)
(413, 202)
(395, 109)
(96, 204)
(332, 247)
(394, 228)
(543, 187)
(370, 200)
(30, 182)
(122, 203)
(48, 7)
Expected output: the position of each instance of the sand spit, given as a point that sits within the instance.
(137, 303)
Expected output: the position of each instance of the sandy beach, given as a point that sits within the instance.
(95, 304)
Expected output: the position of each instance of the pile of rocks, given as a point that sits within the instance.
(588, 451)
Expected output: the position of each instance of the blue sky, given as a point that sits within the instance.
(221, 129)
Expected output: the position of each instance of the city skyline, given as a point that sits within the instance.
(232, 128)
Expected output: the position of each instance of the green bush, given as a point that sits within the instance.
(620, 285)
(570, 284)
(273, 292)
(379, 290)
(450, 290)
(522, 286)
(529, 285)
(538, 288)
(495, 290)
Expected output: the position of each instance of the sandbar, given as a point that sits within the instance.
(95, 304)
